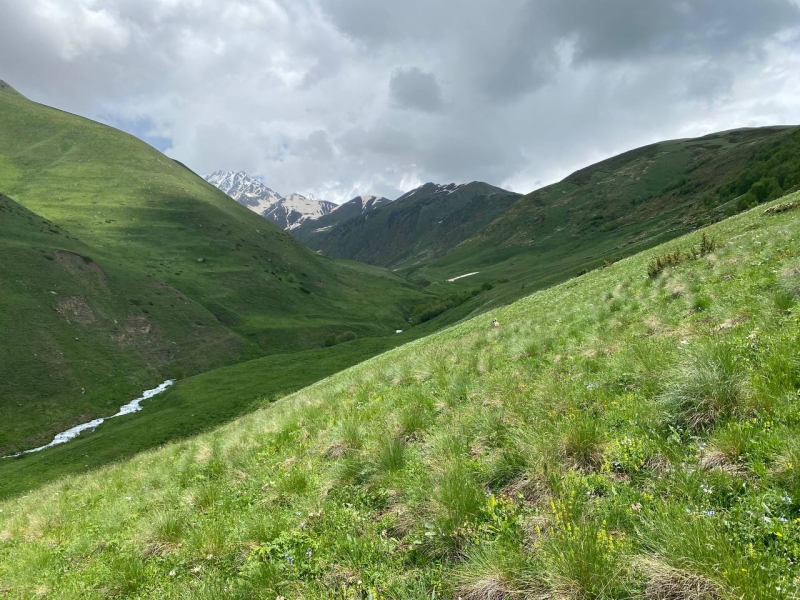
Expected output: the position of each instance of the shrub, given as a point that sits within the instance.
(294, 483)
(783, 301)
(586, 560)
(788, 469)
(168, 527)
(500, 570)
(657, 264)
(708, 386)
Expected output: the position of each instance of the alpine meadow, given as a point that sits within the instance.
(372, 300)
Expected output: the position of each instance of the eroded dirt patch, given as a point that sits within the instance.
(75, 264)
(75, 309)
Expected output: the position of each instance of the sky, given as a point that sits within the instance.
(344, 97)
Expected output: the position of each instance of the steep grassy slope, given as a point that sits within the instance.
(620, 435)
(418, 227)
(155, 273)
(87, 333)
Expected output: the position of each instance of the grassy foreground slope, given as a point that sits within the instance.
(620, 435)
(121, 268)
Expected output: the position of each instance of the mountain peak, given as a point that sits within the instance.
(286, 212)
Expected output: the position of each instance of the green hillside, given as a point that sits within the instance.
(616, 208)
(632, 433)
(418, 227)
(122, 268)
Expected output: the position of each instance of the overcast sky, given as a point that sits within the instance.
(340, 97)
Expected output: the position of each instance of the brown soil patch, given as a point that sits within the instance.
(138, 331)
(731, 323)
(75, 309)
(75, 264)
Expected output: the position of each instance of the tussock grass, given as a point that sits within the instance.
(639, 452)
(708, 386)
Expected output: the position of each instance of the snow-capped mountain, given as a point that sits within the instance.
(246, 190)
(292, 211)
(433, 189)
(287, 213)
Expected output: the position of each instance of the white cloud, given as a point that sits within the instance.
(338, 97)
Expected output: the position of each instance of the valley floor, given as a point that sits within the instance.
(632, 433)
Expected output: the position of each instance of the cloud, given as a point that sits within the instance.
(416, 89)
(338, 97)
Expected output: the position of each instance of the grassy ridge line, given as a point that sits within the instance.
(619, 436)
(621, 206)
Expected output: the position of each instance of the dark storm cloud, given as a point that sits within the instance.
(338, 97)
(414, 88)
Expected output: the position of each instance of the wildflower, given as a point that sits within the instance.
(308, 553)
(709, 513)
(785, 498)
(171, 573)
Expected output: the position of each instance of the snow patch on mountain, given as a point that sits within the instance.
(246, 190)
(433, 189)
(286, 212)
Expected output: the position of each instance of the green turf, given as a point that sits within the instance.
(618, 436)
(121, 268)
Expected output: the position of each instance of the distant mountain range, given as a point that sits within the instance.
(286, 212)
(419, 226)
(349, 210)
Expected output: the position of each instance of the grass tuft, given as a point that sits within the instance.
(708, 386)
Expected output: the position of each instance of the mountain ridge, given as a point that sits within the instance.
(288, 212)
(422, 224)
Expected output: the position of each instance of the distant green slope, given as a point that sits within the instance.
(157, 272)
(618, 436)
(618, 207)
(418, 227)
